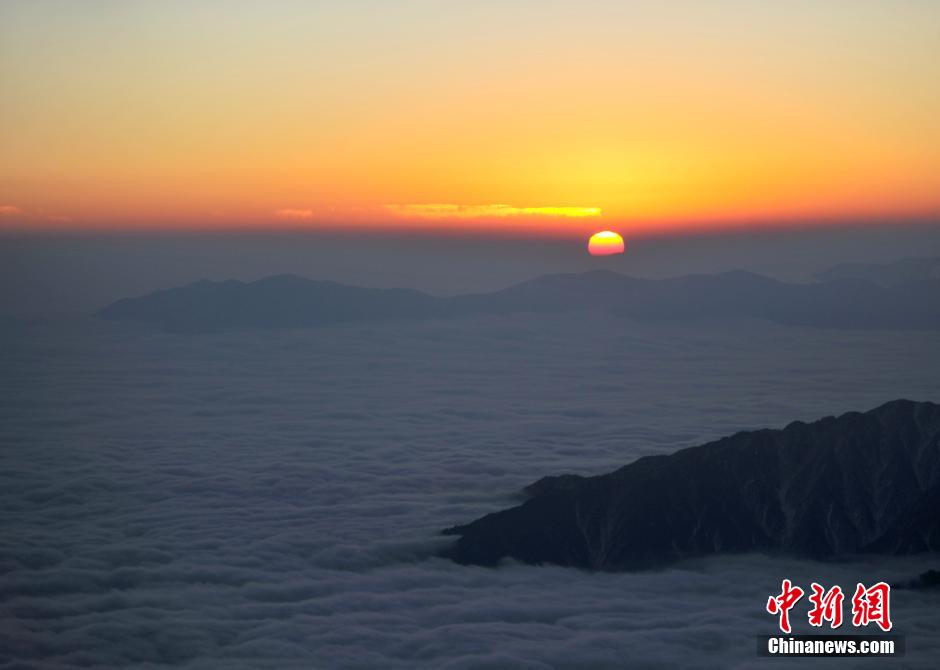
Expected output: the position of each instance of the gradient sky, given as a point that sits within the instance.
(540, 115)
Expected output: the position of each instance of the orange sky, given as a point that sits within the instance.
(544, 116)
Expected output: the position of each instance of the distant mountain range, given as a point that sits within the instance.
(288, 301)
(887, 274)
(861, 482)
(281, 301)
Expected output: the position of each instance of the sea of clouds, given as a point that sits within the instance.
(273, 499)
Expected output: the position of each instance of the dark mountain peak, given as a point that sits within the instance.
(862, 481)
(551, 484)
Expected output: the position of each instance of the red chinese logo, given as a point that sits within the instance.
(827, 606)
(869, 605)
(872, 605)
(782, 604)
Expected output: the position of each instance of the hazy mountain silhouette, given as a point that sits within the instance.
(930, 579)
(281, 301)
(288, 301)
(862, 482)
(832, 304)
(888, 274)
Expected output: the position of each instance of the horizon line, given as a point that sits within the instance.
(580, 230)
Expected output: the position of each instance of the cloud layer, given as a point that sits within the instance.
(272, 500)
(440, 211)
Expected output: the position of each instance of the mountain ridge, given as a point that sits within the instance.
(860, 482)
(290, 301)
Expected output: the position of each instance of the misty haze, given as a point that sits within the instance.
(275, 498)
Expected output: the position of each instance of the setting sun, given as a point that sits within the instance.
(605, 243)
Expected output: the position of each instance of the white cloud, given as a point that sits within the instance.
(272, 499)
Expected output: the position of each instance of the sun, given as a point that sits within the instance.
(605, 243)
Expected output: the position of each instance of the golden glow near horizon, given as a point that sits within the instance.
(605, 243)
(647, 116)
(441, 211)
(294, 214)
